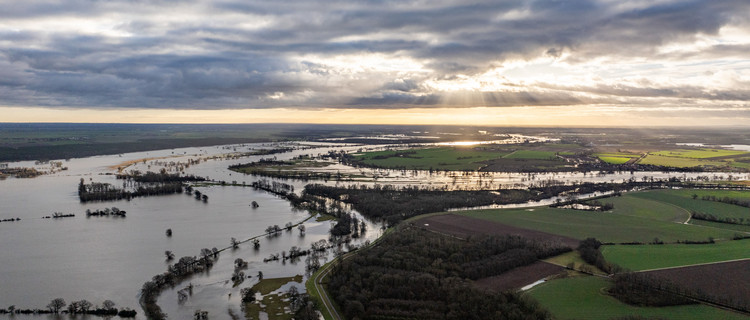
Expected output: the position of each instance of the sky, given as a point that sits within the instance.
(505, 63)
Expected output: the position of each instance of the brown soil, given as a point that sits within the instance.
(463, 226)
(726, 283)
(519, 277)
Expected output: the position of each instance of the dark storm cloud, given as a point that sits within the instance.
(238, 54)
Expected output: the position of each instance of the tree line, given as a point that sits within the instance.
(96, 191)
(182, 269)
(161, 177)
(57, 306)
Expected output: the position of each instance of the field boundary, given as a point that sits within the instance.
(693, 265)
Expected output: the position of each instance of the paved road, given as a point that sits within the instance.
(323, 293)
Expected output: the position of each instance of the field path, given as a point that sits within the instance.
(689, 216)
(507, 155)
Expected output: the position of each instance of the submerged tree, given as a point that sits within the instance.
(56, 305)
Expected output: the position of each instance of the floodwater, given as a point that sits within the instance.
(100, 258)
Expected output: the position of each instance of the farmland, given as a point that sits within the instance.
(684, 158)
(677, 162)
(583, 298)
(719, 282)
(464, 226)
(446, 158)
(534, 157)
(699, 153)
(632, 205)
(645, 257)
(679, 205)
(617, 157)
(607, 227)
(647, 216)
(521, 276)
(615, 160)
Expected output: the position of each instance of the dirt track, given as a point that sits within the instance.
(463, 226)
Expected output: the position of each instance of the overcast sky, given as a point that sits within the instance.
(642, 62)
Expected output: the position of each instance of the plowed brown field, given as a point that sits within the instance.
(725, 283)
(519, 277)
(463, 226)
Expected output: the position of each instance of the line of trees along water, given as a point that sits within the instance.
(135, 185)
(418, 274)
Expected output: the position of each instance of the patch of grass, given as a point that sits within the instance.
(646, 257)
(607, 227)
(274, 306)
(741, 165)
(614, 160)
(583, 298)
(266, 286)
(572, 257)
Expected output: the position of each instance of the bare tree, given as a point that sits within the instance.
(56, 304)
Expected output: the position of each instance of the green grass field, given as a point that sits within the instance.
(619, 154)
(531, 154)
(646, 257)
(632, 205)
(582, 298)
(683, 199)
(614, 160)
(698, 153)
(616, 157)
(733, 227)
(607, 227)
(684, 158)
(435, 158)
(658, 160)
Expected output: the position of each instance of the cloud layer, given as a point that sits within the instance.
(374, 54)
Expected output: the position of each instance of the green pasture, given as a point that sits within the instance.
(614, 160)
(435, 158)
(619, 154)
(632, 205)
(646, 257)
(531, 154)
(605, 226)
(584, 298)
(740, 228)
(683, 198)
(698, 153)
(659, 160)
